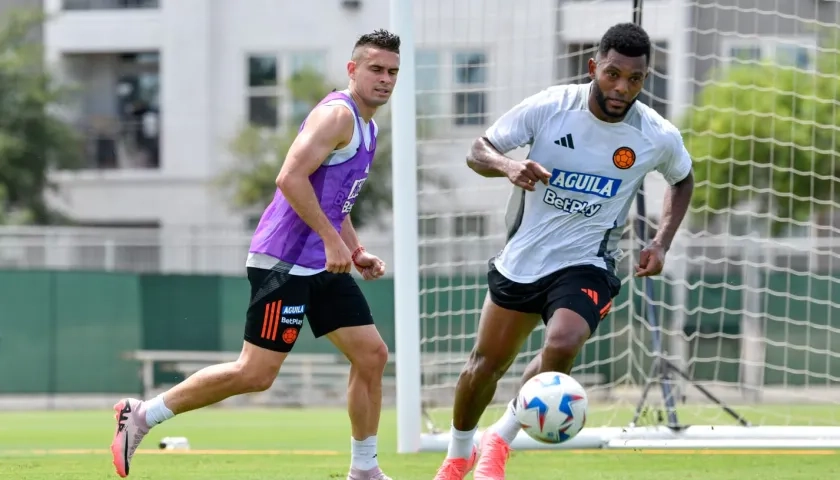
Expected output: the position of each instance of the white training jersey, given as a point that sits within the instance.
(596, 169)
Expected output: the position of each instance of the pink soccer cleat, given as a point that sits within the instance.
(495, 452)
(456, 468)
(131, 428)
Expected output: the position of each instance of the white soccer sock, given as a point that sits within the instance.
(364, 453)
(156, 411)
(508, 426)
(461, 444)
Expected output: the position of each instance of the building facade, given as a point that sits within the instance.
(165, 85)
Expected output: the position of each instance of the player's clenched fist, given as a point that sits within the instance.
(339, 258)
(370, 266)
(651, 261)
(526, 174)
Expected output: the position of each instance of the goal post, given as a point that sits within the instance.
(406, 252)
(748, 310)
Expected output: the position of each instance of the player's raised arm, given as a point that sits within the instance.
(517, 127)
(326, 129)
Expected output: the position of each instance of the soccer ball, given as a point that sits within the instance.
(552, 407)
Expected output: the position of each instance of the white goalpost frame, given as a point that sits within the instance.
(410, 436)
(406, 245)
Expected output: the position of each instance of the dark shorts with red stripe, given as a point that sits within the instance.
(585, 289)
(280, 301)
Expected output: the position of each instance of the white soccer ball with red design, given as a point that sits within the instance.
(552, 407)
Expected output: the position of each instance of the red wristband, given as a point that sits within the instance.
(356, 253)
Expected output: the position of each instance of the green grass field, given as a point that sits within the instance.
(314, 444)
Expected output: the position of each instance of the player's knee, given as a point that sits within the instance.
(482, 367)
(256, 368)
(254, 378)
(565, 337)
(379, 356)
(256, 381)
(371, 358)
(261, 383)
(562, 346)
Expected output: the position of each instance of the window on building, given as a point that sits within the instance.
(269, 101)
(263, 97)
(428, 226)
(747, 53)
(428, 90)
(451, 85)
(139, 110)
(262, 71)
(790, 54)
(796, 52)
(470, 225)
(573, 64)
(470, 82)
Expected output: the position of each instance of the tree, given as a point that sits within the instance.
(33, 140)
(768, 133)
(260, 156)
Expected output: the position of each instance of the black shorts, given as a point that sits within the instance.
(585, 289)
(280, 300)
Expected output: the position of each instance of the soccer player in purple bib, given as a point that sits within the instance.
(299, 265)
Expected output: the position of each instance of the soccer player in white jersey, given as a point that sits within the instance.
(591, 147)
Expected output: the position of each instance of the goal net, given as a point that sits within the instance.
(748, 305)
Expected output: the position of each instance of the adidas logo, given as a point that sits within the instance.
(566, 141)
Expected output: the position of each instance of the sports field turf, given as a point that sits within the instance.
(275, 444)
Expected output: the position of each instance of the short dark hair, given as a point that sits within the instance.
(627, 39)
(381, 39)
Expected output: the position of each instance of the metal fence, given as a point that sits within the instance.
(223, 250)
(108, 4)
(198, 249)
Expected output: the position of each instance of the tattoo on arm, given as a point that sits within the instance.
(486, 160)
